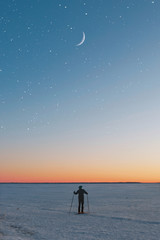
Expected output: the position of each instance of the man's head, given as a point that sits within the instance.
(80, 187)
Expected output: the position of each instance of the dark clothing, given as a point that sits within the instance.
(80, 193)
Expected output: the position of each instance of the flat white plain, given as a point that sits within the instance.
(117, 212)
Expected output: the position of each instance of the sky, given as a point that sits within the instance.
(75, 109)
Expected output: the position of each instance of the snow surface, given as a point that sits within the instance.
(117, 212)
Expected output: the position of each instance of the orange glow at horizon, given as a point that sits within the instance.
(60, 174)
(47, 165)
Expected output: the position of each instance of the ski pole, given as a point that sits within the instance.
(88, 204)
(71, 203)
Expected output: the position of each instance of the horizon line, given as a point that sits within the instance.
(127, 182)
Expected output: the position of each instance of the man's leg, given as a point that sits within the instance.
(79, 207)
(82, 206)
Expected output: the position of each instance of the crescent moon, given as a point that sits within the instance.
(82, 41)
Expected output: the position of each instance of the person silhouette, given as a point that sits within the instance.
(80, 193)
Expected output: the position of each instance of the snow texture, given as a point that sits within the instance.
(117, 212)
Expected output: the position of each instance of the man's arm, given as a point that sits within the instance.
(76, 192)
(85, 192)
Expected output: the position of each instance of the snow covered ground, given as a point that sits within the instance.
(117, 212)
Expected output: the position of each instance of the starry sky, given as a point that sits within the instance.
(79, 113)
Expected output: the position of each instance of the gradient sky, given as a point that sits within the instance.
(79, 113)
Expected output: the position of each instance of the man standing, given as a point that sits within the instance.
(80, 193)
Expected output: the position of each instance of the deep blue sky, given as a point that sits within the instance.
(104, 92)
